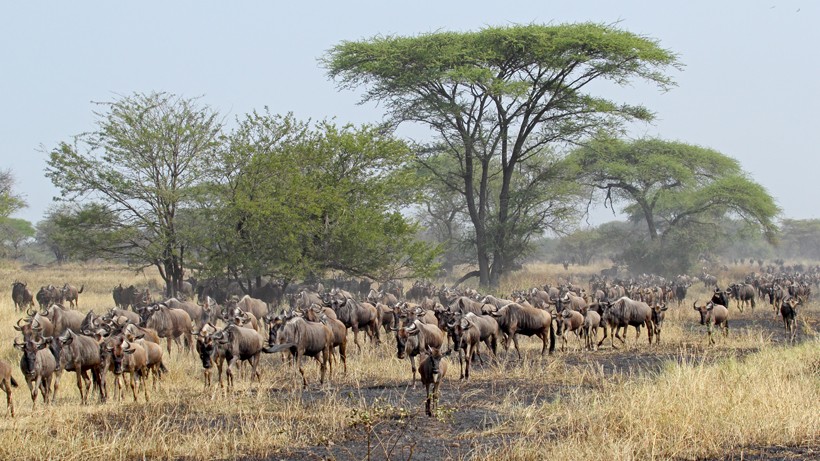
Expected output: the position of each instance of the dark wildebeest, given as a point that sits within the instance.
(210, 353)
(713, 315)
(49, 295)
(21, 296)
(71, 294)
(7, 381)
(721, 297)
(80, 354)
(302, 338)
(680, 292)
(514, 319)
(788, 310)
(626, 312)
(431, 371)
(744, 293)
(413, 339)
(38, 366)
(168, 323)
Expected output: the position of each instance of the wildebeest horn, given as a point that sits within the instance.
(31, 312)
(695, 305)
(18, 345)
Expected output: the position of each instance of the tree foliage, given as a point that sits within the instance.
(684, 195)
(9, 200)
(15, 232)
(499, 99)
(141, 166)
(292, 199)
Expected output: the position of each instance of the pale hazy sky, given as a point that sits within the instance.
(750, 88)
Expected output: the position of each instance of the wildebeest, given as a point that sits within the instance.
(468, 333)
(131, 297)
(432, 370)
(80, 354)
(658, 315)
(121, 357)
(49, 295)
(210, 353)
(71, 294)
(168, 323)
(198, 315)
(38, 366)
(302, 338)
(257, 307)
(413, 339)
(356, 316)
(788, 310)
(569, 320)
(21, 296)
(712, 315)
(240, 344)
(315, 314)
(63, 319)
(721, 297)
(35, 324)
(7, 381)
(626, 312)
(514, 319)
(592, 320)
(744, 293)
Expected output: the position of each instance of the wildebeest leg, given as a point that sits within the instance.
(142, 379)
(206, 377)
(57, 375)
(229, 372)
(255, 373)
(413, 368)
(133, 384)
(34, 387)
(343, 355)
(428, 403)
(6, 385)
(355, 329)
(168, 340)
(461, 360)
(46, 389)
(80, 385)
(301, 371)
(515, 342)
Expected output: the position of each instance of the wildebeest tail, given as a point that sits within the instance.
(162, 368)
(13, 382)
(552, 338)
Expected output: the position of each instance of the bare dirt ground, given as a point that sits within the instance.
(397, 429)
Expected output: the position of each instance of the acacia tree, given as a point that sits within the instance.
(141, 165)
(683, 193)
(499, 98)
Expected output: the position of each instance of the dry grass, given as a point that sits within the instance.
(680, 399)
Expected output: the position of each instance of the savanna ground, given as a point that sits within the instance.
(750, 396)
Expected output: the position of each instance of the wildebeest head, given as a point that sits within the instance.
(118, 350)
(30, 348)
(658, 314)
(703, 310)
(435, 362)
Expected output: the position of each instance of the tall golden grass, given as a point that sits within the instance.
(680, 399)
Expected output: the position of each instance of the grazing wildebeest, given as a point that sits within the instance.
(38, 366)
(21, 296)
(71, 295)
(413, 339)
(432, 370)
(302, 338)
(7, 381)
(713, 315)
(514, 319)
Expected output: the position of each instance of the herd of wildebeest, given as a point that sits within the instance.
(427, 322)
